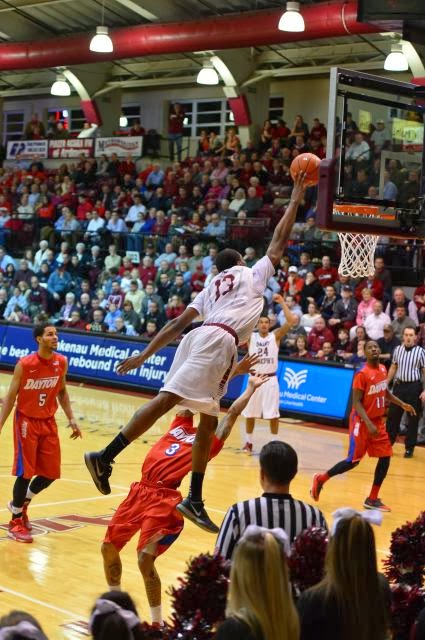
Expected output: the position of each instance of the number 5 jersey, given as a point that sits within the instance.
(40, 384)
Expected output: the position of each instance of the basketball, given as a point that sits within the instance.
(309, 163)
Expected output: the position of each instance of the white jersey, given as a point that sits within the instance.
(235, 297)
(267, 350)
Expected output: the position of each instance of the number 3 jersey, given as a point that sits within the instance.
(235, 297)
(40, 384)
(170, 459)
(373, 382)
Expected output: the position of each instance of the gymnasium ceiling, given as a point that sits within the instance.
(26, 20)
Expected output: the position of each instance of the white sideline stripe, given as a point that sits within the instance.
(53, 504)
(76, 616)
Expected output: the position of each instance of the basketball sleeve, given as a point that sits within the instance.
(395, 356)
(262, 271)
(199, 303)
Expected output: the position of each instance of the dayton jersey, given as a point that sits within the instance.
(373, 382)
(267, 350)
(170, 459)
(235, 297)
(40, 384)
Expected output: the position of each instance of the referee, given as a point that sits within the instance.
(276, 507)
(407, 370)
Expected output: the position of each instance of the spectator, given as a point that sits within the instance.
(376, 321)
(301, 350)
(311, 237)
(311, 292)
(175, 130)
(151, 296)
(318, 335)
(181, 289)
(359, 150)
(373, 283)
(294, 284)
(151, 330)
(216, 228)
(308, 319)
(69, 306)
(402, 321)
(387, 344)
(116, 225)
(327, 308)
(352, 600)
(305, 265)
(209, 260)
(345, 310)
(399, 298)
(169, 255)
(98, 324)
(23, 274)
(135, 295)
(112, 260)
(175, 307)
(34, 129)
(390, 189)
(326, 274)
(238, 201)
(114, 615)
(112, 314)
(5, 260)
(75, 321)
(342, 345)
(155, 314)
(326, 353)
(365, 307)
(265, 609)
(276, 507)
(59, 283)
(18, 625)
(155, 178)
(253, 203)
(130, 317)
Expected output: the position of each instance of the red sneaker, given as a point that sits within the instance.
(376, 504)
(24, 516)
(247, 447)
(316, 487)
(18, 531)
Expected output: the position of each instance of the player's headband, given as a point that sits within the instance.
(253, 530)
(105, 607)
(345, 513)
(23, 629)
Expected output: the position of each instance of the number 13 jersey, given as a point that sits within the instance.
(40, 384)
(235, 297)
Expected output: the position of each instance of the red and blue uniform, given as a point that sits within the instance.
(373, 382)
(35, 433)
(150, 506)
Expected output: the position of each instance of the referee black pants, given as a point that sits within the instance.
(408, 392)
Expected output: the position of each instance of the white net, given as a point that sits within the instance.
(357, 254)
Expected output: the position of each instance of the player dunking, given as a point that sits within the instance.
(265, 401)
(230, 306)
(368, 433)
(38, 383)
(150, 507)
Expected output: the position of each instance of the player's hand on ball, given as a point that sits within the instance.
(299, 188)
(256, 381)
(128, 364)
(408, 407)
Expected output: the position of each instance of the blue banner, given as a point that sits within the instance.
(315, 389)
(94, 357)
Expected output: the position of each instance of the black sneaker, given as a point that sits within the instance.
(369, 503)
(99, 471)
(195, 512)
(408, 453)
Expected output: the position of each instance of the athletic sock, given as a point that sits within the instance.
(114, 448)
(248, 438)
(374, 492)
(29, 496)
(114, 587)
(156, 615)
(196, 482)
(16, 512)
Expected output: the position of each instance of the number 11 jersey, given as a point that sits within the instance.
(235, 297)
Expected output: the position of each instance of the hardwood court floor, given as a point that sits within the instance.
(58, 577)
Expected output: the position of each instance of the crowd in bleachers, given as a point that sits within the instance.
(109, 245)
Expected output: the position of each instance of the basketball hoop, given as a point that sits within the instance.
(357, 254)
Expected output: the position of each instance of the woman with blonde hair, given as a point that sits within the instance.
(352, 600)
(259, 602)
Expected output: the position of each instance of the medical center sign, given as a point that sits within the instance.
(314, 389)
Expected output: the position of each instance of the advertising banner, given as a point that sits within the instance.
(71, 148)
(122, 146)
(26, 149)
(314, 389)
(93, 358)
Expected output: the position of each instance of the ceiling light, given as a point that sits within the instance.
(207, 75)
(291, 19)
(123, 121)
(60, 87)
(396, 60)
(101, 42)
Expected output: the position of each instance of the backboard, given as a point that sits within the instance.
(372, 180)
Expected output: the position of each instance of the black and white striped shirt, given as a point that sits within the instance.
(410, 361)
(270, 510)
